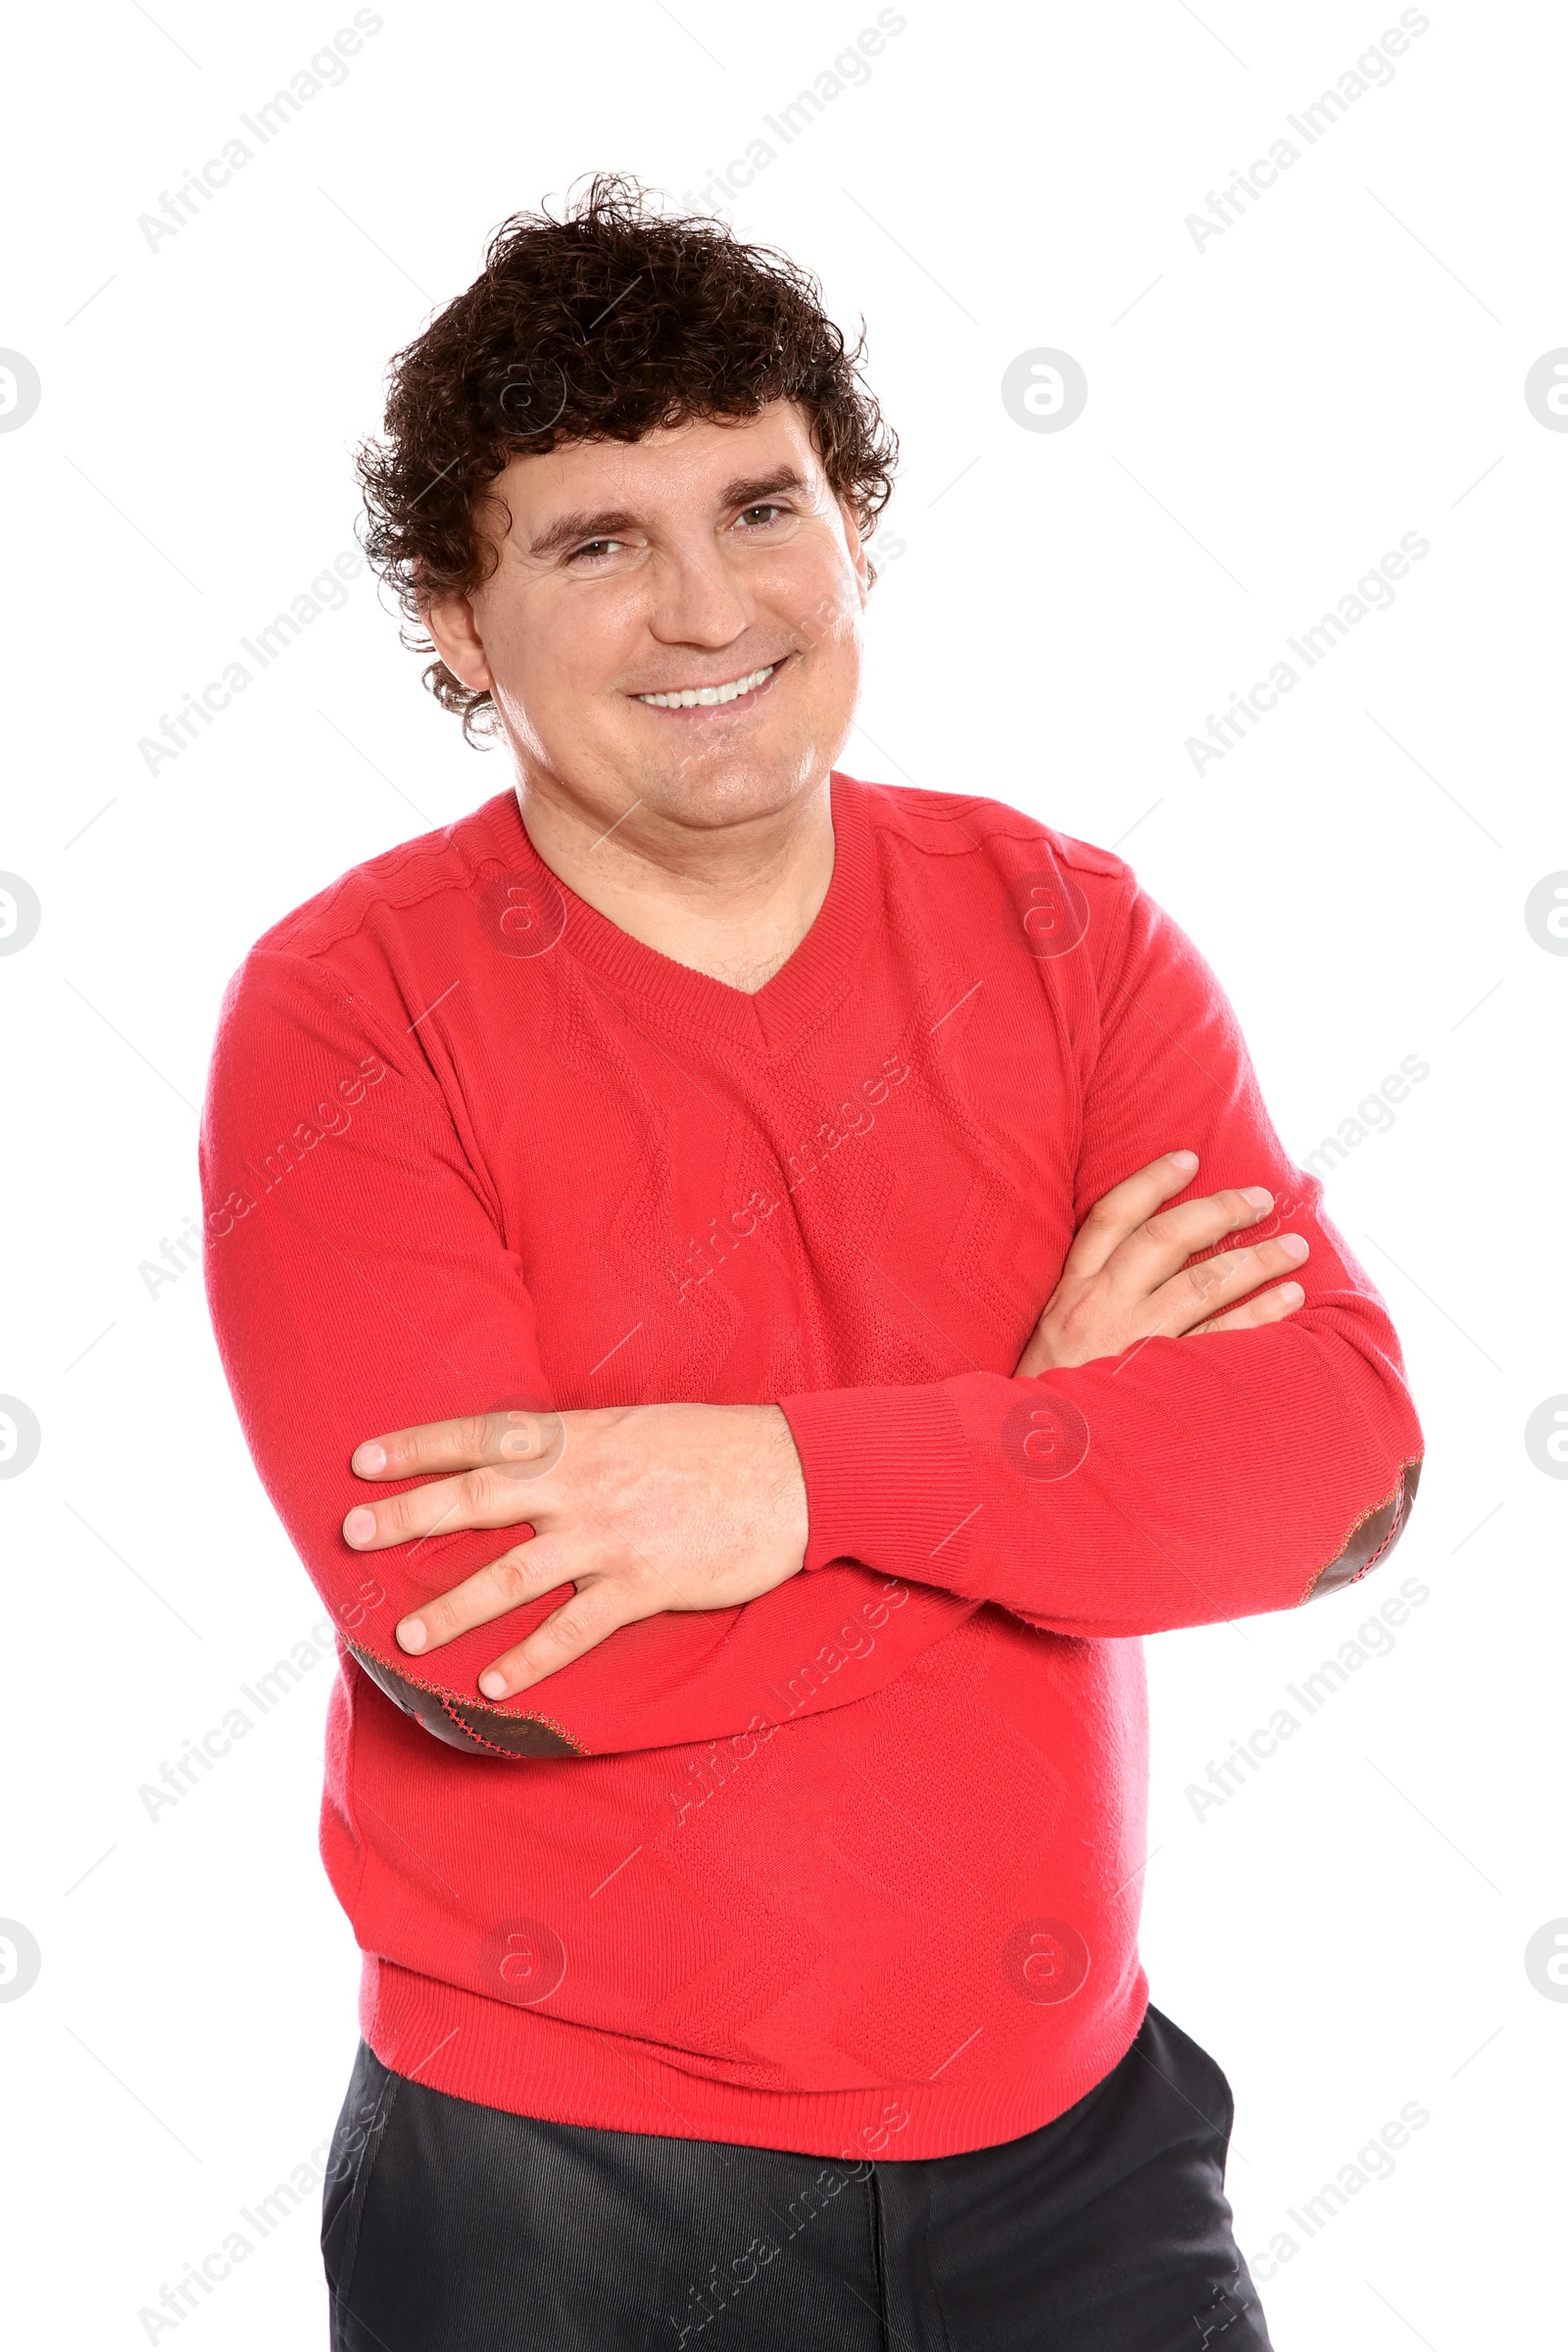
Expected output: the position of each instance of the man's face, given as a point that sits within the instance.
(702, 556)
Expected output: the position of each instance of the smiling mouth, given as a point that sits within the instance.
(712, 697)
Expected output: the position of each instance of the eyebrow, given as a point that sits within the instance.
(571, 531)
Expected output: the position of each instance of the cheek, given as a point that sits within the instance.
(831, 679)
(520, 711)
(808, 589)
(826, 630)
(552, 668)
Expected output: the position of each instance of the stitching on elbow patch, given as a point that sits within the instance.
(457, 1721)
(1375, 1533)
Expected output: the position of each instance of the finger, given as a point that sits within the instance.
(1269, 1307)
(1162, 1244)
(487, 1498)
(1121, 1210)
(1197, 1293)
(462, 1443)
(524, 1573)
(595, 1610)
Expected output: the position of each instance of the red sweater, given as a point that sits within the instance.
(855, 1869)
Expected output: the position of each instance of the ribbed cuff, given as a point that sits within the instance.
(888, 1480)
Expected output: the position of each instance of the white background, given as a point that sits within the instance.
(1266, 415)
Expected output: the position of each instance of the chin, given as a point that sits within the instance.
(734, 791)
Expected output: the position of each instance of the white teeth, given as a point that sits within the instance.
(690, 698)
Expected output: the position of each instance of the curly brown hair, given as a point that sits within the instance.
(604, 325)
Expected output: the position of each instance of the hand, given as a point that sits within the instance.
(1124, 1279)
(642, 1507)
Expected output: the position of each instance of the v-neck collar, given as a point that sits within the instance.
(773, 1015)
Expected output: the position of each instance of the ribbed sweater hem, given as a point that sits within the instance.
(529, 2064)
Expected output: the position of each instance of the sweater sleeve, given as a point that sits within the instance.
(358, 1281)
(1186, 1480)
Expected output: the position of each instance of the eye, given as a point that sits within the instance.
(595, 551)
(760, 515)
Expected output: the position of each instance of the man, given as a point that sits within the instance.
(750, 1291)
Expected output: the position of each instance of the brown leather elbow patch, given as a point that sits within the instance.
(1370, 1538)
(479, 1729)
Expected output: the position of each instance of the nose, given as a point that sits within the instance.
(697, 599)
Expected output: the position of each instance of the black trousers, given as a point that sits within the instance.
(449, 2226)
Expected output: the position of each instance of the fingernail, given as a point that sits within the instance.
(412, 1633)
(493, 1684)
(1257, 1196)
(1294, 1245)
(1184, 1159)
(360, 1525)
(369, 1459)
(1292, 1292)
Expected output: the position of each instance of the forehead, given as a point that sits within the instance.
(671, 468)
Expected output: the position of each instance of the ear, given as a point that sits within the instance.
(857, 547)
(454, 633)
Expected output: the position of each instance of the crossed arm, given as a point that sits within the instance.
(1245, 1447)
(643, 1509)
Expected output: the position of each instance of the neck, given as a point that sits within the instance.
(732, 901)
